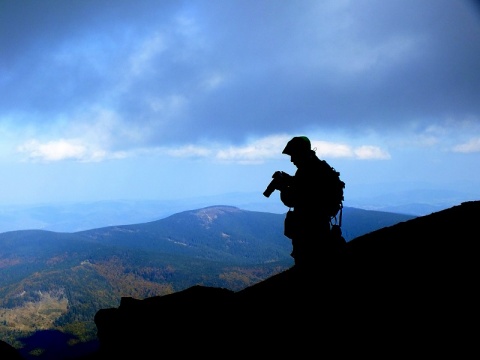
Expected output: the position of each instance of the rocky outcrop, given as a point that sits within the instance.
(8, 352)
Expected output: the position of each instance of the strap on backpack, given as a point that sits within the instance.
(341, 213)
(333, 220)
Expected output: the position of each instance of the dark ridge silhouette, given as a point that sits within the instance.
(8, 352)
(404, 290)
(407, 289)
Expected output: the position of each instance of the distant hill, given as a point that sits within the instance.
(58, 281)
(74, 217)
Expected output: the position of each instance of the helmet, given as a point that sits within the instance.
(297, 146)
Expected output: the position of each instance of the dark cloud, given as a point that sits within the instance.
(282, 67)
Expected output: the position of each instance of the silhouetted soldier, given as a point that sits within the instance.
(308, 225)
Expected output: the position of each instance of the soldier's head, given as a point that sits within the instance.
(299, 149)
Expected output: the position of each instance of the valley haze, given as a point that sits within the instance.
(78, 216)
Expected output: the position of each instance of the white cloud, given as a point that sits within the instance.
(331, 149)
(150, 48)
(469, 147)
(52, 150)
(371, 152)
(189, 151)
(61, 150)
(213, 81)
(452, 133)
(264, 149)
(256, 152)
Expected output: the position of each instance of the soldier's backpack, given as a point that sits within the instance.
(334, 187)
(334, 205)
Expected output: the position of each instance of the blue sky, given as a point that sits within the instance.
(140, 99)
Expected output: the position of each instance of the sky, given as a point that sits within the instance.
(143, 99)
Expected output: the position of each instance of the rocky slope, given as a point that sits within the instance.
(405, 288)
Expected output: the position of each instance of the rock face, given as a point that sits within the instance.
(266, 320)
(402, 290)
(8, 352)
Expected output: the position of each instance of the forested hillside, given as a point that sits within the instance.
(51, 280)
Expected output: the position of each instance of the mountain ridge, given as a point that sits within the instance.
(78, 216)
